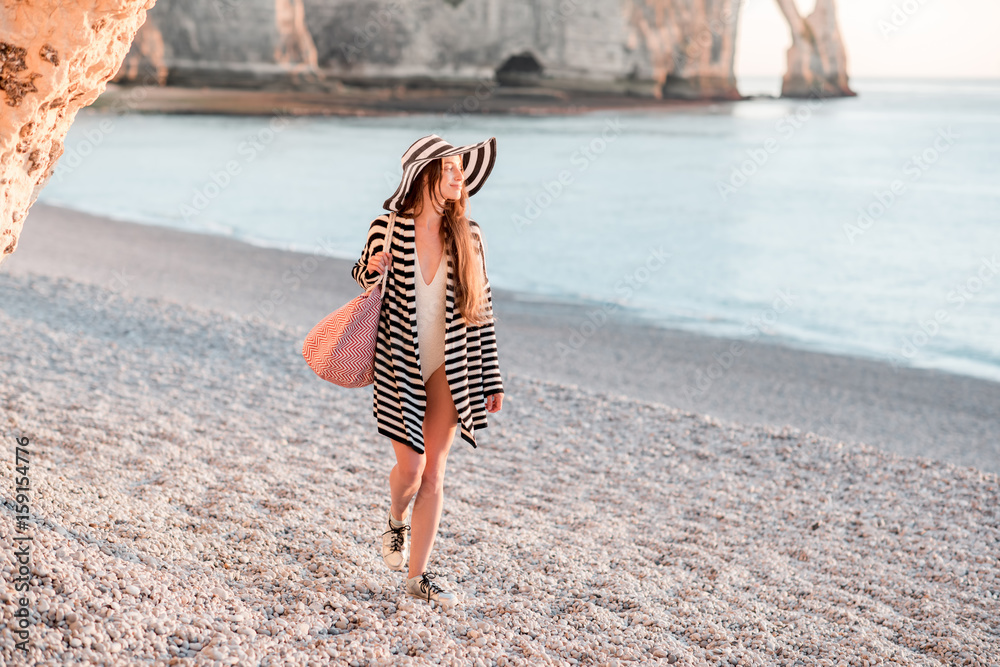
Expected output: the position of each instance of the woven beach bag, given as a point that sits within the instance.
(341, 348)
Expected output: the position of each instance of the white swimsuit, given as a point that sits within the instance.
(430, 316)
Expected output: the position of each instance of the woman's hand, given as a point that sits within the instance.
(494, 402)
(378, 262)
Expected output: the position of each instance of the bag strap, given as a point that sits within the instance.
(387, 245)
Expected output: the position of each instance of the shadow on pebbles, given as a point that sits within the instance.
(198, 496)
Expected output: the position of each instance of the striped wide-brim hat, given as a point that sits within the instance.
(477, 163)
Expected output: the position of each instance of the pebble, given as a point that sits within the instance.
(235, 455)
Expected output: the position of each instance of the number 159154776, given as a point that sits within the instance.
(23, 483)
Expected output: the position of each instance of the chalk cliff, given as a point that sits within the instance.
(655, 48)
(55, 58)
(220, 43)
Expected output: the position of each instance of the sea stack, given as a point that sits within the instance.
(817, 60)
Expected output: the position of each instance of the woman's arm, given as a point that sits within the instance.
(492, 384)
(376, 236)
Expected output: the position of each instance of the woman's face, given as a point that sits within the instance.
(452, 177)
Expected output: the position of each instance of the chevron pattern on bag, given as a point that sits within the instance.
(341, 348)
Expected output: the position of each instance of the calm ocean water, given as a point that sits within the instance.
(866, 226)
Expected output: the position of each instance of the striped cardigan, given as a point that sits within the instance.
(471, 362)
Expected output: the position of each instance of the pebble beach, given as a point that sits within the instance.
(198, 496)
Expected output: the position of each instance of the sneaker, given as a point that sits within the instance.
(395, 546)
(422, 587)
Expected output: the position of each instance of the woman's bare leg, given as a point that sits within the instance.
(440, 423)
(404, 479)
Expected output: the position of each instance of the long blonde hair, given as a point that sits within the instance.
(456, 235)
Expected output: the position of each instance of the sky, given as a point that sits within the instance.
(933, 38)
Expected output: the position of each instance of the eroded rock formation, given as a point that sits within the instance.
(688, 45)
(817, 60)
(55, 58)
(295, 45)
(146, 60)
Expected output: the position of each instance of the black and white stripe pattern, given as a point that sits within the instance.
(471, 362)
(477, 163)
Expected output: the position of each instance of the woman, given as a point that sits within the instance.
(436, 363)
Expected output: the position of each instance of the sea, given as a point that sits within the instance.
(865, 226)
